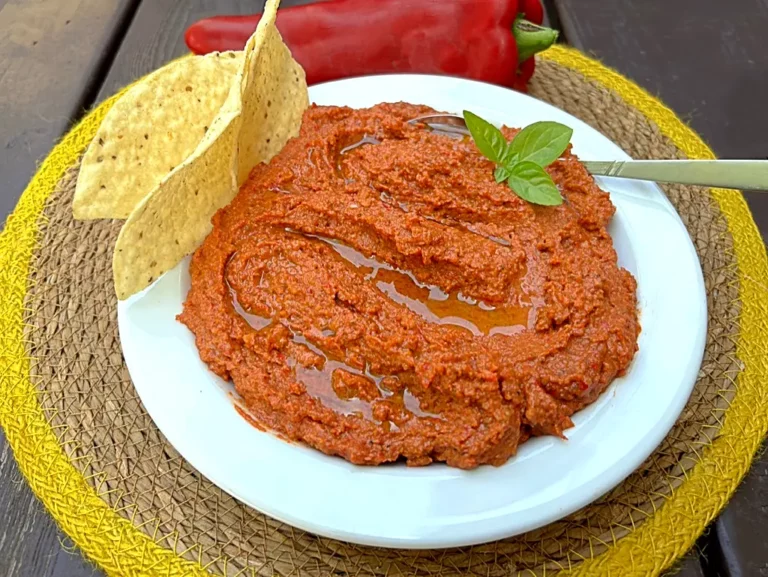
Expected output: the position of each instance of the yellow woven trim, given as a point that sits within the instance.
(108, 539)
(120, 548)
(673, 529)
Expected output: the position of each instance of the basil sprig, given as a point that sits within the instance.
(521, 161)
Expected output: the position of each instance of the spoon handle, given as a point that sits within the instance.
(741, 174)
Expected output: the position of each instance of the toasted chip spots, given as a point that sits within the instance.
(157, 124)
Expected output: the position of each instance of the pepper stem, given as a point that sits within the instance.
(531, 38)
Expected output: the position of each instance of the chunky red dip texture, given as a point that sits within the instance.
(374, 293)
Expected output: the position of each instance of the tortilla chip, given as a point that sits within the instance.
(273, 116)
(174, 219)
(153, 128)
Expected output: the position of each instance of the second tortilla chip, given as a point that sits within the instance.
(270, 117)
(172, 221)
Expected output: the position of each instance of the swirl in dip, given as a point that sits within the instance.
(374, 293)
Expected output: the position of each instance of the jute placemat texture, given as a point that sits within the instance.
(115, 485)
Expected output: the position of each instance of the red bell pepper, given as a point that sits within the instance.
(477, 39)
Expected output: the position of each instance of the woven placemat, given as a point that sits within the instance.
(140, 508)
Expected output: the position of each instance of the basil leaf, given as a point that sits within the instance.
(541, 142)
(521, 162)
(532, 183)
(488, 139)
(501, 174)
(509, 157)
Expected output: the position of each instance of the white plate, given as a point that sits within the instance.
(438, 506)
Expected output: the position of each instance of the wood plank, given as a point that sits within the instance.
(50, 53)
(708, 62)
(688, 566)
(741, 529)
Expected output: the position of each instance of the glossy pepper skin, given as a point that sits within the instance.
(532, 10)
(344, 38)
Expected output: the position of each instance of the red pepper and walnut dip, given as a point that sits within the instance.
(374, 293)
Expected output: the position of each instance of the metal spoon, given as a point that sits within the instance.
(742, 174)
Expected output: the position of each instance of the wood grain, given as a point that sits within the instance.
(50, 53)
(688, 566)
(707, 60)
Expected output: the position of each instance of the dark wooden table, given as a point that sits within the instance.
(706, 58)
